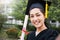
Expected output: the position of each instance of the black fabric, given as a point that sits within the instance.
(41, 2)
(47, 34)
(36, 5)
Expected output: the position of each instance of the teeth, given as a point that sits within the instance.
(37, 22)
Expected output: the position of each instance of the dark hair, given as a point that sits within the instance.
(40, 10)
(47, 24)
(37, 5)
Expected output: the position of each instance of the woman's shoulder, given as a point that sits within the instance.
(53, 31)
(31, 32)
(52, 34)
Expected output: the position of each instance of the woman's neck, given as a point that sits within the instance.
(43, 27)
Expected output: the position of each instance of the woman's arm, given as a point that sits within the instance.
(58, 37)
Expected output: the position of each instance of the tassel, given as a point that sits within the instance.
(46, 10)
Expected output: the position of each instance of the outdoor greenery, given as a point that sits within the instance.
(3, 18)
(18, 12)
(54, 10)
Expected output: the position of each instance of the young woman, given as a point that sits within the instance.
(37, 16)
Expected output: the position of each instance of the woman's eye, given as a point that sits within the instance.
(38, 15)
(31, 16)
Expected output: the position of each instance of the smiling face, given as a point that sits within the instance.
(37, 18)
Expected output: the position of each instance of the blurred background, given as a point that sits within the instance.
(12, 13)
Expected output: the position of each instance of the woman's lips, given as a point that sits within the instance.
(36, 22)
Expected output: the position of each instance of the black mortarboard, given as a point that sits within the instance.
(37, 3)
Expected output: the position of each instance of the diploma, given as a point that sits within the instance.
(24, 27)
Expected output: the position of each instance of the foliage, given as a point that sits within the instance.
(19, 9)
(30, 28)
(19, 26)
(3, 19)
(54, 10)
(12, 33)
(19, 34)
(56, 28)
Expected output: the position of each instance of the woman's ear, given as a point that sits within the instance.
(44, 17)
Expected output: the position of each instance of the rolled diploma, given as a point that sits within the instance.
(24, 27)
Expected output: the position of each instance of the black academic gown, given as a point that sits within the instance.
(47, 34)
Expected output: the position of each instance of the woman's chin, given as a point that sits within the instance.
(38, 26)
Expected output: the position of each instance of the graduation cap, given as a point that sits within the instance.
(43, 4)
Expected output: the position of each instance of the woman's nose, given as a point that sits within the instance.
(35, 18)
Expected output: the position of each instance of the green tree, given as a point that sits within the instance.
(19, 8)
(2, 20)
(54, 10)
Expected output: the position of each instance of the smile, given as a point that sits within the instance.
(36, 22)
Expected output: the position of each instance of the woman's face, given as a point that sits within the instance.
(37, 18)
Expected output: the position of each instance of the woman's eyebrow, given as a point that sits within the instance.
(31, 14)
(37, 13)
